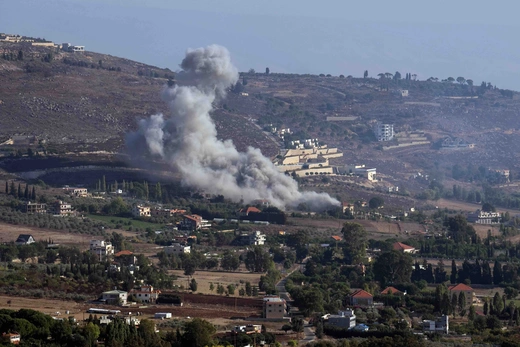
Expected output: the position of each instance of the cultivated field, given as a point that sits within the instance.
(204, 278)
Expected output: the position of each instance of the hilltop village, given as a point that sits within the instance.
(419, 251)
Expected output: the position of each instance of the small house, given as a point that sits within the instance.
(24, 239)
(361, 297)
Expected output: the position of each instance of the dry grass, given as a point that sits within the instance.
(204, 278)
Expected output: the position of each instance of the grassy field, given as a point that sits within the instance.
(124, 222)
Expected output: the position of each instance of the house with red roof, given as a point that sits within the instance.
(391, 291)
(401, 247)
(361, 297)
(462, 288)
(193, 222)
(337, 238)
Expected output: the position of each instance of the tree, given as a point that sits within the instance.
(103, 181)
(267, 71)
(393, 267)
(12, 189)
(158, 192)
(319, 330)
(472, 314)
(462, 304)
(252, 71)
(450, 79)
(249, 290)
(211, 286)
(231, 289)
(376, 202)
(286, 327)
(397, 76)
(26, 192)
(193, 285)
(487, 207)
(258, 260)
(365, 74)
(469, 82)
(297, 325)
(461, 80)
(91, 332)
(497, 273)
(198, 333)
(230, 262)
(354, 250)
(486, 307)
(511, 292)
(20, 55)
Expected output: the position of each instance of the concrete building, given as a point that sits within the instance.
(482, 217)
(256, 238)
(79, 192)
(384, 132)
(60, 208)
(101, 248)
(141, 211)
(362, 171)
(344, 319)
(146, 294)
(439, 325)
(193, 222)
(177, 248)
(34, 207)
(462, 288)
(115, 297)
(274, 308)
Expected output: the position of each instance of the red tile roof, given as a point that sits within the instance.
(460, 287)
(399, 246)
(360, 293)
(392, 290)
(337, 238)
(125, 252)
(250, 209)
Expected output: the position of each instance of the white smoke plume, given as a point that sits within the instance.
(188, 139)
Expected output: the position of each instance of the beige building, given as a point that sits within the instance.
(274, 308)
(60, 208)
(461, 287)
(34, 207)
(101, 249)
(141, 211)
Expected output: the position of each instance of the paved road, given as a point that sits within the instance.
(308, 331)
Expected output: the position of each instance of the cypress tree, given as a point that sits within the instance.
(453, 277)
(26, 193)
(33, 194)
(497, 273)
(12, 189)
(104, 182)
(20, 191)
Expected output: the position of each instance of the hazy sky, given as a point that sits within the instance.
(474, 39)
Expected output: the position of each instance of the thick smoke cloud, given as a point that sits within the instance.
(188, 139)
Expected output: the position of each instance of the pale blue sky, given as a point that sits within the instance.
(474, 39)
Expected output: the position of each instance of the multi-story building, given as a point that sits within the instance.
(274, 308)
(34, 207)
(79, 192)
(439, 325)
(483, 217)
(256, 238)
(101, 248)
(344, 319)
(462, 288)
(115, 297)
(60, 208)
(141, 211)
(146, 293)
(177, 248)
(193, 222)
(384, 132)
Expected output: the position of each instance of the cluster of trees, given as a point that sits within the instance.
(81, 63)
(11, 56)
(26, 193)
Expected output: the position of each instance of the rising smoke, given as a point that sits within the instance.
(188, 139)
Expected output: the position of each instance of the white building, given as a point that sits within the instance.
(384, 132)
(115, 297)
(344, 319)
(440, 325)
(101, 248)
(482, 217)
(177, 248)
(257, 238)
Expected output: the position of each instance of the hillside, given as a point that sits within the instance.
(88, 102)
